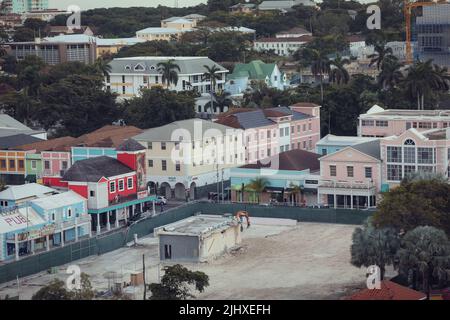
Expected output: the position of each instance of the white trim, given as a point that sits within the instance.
(123, 184)
(128, 179)
(109, 186)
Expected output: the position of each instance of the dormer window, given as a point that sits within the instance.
(152, 68)
(139, 67)
(127, 67)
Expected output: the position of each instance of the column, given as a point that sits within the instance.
(47, 242)
(318, 197)
(351, 201)
(335, 198)
(368, 201)
(76, 229)
(153, 208)
(62, 238)
(132, 210)
(98, 223)
(117, 218)
(125, 214)
(16, 246)
(32, 246)
(108, 225)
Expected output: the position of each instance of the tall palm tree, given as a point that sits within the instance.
(320, 66)
(258, 185)
(442, 78)
(381, 52)
(212, 76)
(421, 80)
(222, 99)
(339, 74)
(390, 74)
(169, 70)
(102, 66)
(296, 190)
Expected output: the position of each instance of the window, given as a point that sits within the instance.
(21, 164)
(268, 152)
(409, 154)
(268, 134)
(150, 163)
(33, 164)
(12, 164)
(121, 185)
(281, 148)
(112, 187)
(350, 171)
(3, 164)
(167, 251)
(177, 146)
(286, 131)
(394, 172)
(69, 213)
(92, 193)
(394, 154)
(292, 129)
(310, 144)
(163, 146)
(52, 218)
(381, 123)
(177, 166)
(150, 146)
(367, 123)
(304, 144)
(408, 170)
(130, 183)
(163, 165)
(324, 152)
(333, 171)
(425, 155)
(368, 172)
(281, 132)
(309, 126)
(64, 165)
(47, 165)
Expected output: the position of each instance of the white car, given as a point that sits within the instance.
(161, 199)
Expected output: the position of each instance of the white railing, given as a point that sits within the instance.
(341, 184)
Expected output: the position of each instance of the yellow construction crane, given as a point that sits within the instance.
(408, 5)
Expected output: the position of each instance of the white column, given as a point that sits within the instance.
(351, 195)
(117, 218)
(62, 238)
(76, 229)
(98, 223)
(153, 208)
(318, 197)
(16, 245)
(32, 246)
(47, 241)
(125, 214)
(108, 225)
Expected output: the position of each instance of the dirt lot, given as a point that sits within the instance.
(276, 260)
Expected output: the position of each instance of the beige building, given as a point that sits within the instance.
(188, 158)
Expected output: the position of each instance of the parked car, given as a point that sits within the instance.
(161, 199)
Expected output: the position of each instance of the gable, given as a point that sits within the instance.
(349, 154)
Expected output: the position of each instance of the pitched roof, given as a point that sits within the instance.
(58, 200)
(10, 142)
(295, 159)
(371, 148)
(58, 144)
(389, 291)
(10, 126)
(192, 126)
(110, 136)
(130, 145)
(255, 69)
(93, 169)
(25, 191)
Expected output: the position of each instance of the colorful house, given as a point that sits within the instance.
(351, 177)
(43, 223)
(16, 195)
(33, 167)
(111, 188)
(331, 143)
(83, 153)
(292, 177)
(12, 166)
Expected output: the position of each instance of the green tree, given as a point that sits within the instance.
(102, 66)
(211, 75)
(85, 292)
(176, 282)
(169, 70)
(426, 251)
(258, 185)
(23, 34)
(56, 290)
(320, 66)
(381, 52)
(372, 246)
(221, 100)
(418, 202)
(390, 74)
(339, 74)
(157, 106)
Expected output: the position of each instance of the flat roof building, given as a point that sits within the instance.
(198, 238)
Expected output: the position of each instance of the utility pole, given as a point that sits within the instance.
(223, 200)
(217, 176)
(143, 274)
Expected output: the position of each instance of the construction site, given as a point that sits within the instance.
(273, 259)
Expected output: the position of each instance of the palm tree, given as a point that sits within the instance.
(390, 74)
(320, 65)
(381, 52)
(442, 78)
(169, 70)
(258, 185)
(421, 80)
(296, 190)
(102, 66)
(339, 74)
(212, 76)
(425, 250)
(222, 99)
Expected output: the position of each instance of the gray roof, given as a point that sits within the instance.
(25, 191)
(371, 148)
(188, 65)
(130, 145)
(295, 114)
(10, 142)
(10, 126)
(253, 119)
(92, 170)
(169, 132)
(332, 140)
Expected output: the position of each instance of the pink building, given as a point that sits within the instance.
(414, 152)
(351, 177)
(378, 122)
(268, 132)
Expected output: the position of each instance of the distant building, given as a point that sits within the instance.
(63, 30)
(284, 6)
(293, 33)
(22, 6)
(432, 32)
(14, 196)
(245, 8)
(198, 238)
(10, 20)
(44, 15)
(156, 33)
(256, 71)
(282, 46)
(129, 75)
(331, 143)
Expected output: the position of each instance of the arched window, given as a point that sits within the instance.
(409, 142)
(127, 67)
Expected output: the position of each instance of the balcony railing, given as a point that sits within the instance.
(122, 199)
(339, 184)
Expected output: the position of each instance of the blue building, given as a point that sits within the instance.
(17, 195)
(43, 223)
(331, 143)
(83, 153)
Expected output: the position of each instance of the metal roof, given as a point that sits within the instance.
(59, 200)
(25, 191)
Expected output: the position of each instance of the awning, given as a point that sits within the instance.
(274, 189)
(122, 205)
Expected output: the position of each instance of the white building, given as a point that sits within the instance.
(129, 75)
(293, 33)
(151, 34)
(282, 46)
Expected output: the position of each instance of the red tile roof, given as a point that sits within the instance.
(389, 291)
(58, 144)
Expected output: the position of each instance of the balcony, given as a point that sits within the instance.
(355, 188)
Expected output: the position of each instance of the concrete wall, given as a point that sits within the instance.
(184, 248)
(219, 242)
